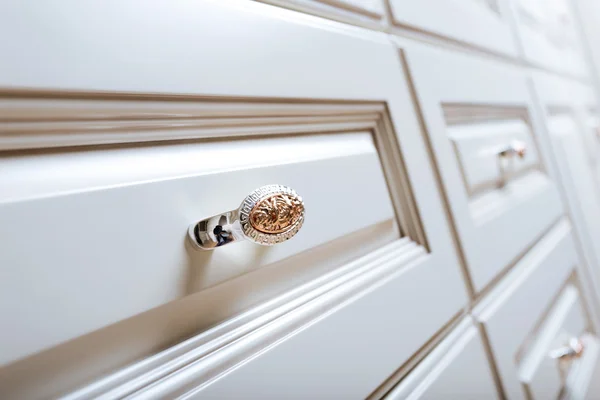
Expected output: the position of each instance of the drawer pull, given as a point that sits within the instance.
(574, 349)
(515, 148)
(506, 157)
(269, 215)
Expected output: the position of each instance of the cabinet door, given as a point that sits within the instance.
(482, 23)
(478, 119)
(549, 37)
(538, 325)
(115, 141)
(565, 109)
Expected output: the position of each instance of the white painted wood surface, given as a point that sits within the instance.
(346, 318)
(117, 223)
(497, 227)
(473, 22)
(511, 311)
(457, 368)
(565, 111)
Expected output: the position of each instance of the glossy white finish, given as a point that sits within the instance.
(548, 35)
(496, 226)
(485, 24)
(355, 311)
(457, 368)
(512, 310)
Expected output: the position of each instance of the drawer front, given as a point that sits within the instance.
(482, 23)
(533, 315)
(457, 368)
(121, 227)
(566, 108)
(548, 35)
(110, 171)
(487, 149)
(541, 373)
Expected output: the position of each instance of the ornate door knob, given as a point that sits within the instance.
(269, 215)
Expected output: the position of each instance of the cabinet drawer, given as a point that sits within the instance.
(111, 169)
(115, 221)
(482, 23)
(532, 314)
(489, 156)
(456, 368)
(548, 35)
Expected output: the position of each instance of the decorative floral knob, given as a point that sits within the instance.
(269, 215)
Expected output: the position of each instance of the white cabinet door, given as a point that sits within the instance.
(482, 23)
(457, 368)
(565, 108)
(549, 36)
(538, 327)
(486, 146)
(170, 116)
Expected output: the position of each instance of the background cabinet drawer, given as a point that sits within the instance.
(457, 368)
(115, 221)
(549, 35)
(482, 23)
(541, 371)
(531, 313)
(479, 118)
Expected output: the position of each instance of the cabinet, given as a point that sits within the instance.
(478, 118)
(448, 191)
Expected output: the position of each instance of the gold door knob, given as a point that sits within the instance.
(269, 215)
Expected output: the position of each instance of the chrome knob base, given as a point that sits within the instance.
(269, 215)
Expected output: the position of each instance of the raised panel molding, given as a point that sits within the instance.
(48, 119)
(52, 121)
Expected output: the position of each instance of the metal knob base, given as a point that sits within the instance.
(269, 215)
